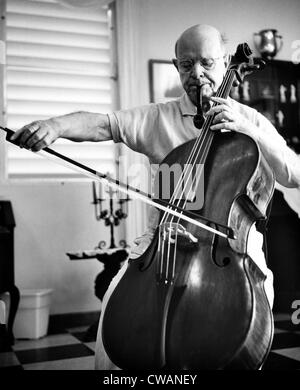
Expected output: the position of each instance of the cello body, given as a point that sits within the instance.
(214, 314)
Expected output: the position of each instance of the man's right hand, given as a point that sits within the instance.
(37, 135)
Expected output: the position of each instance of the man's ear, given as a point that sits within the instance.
(175, 63)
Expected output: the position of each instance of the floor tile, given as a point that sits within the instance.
(81, 336)
(91, 345)
(49, 341)
(293, 353)
(285, 340)
(279, 362)
(276, 331)
(8, 359)
(77, 329)
(281, 316)
(56, 330)
(53, 353)
(287, 325)
(5, 347)
(11, 368)
(81, 363)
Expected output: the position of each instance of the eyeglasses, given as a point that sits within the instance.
(185, 66)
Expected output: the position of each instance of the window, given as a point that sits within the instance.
(58, 60)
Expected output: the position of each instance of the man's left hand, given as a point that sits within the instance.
(227, 118)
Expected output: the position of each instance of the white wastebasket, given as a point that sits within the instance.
(32, 317)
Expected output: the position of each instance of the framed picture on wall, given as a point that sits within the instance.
(164, 81)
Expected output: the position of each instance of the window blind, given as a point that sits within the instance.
(58, 60)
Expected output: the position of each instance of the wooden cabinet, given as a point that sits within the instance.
(275, 92)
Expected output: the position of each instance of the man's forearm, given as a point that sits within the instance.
(78, 126)
(83, 126)
(284, 161)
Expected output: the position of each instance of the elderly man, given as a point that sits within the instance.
(156, 129)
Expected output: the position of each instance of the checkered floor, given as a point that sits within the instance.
(64, 351)
(69, 351)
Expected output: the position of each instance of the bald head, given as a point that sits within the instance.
(200, 35)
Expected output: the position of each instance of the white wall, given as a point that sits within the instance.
(55, 218)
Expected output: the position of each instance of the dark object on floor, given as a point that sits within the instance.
(5, 339)
(7, 273)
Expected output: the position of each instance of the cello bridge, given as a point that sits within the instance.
(175, 233)
(171, 236)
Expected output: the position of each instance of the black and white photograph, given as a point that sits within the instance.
(149, 189)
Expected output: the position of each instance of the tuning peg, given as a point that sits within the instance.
(260, 63)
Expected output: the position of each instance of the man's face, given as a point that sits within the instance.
(200, 62)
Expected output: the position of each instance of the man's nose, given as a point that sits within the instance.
(198, 70)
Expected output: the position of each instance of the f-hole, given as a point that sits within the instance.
(222, 262)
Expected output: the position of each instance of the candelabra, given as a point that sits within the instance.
(110, 216)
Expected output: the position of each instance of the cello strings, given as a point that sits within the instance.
(203, 152)
(196, 148)
(200, 149)
(209, 135)
(162, 230)
(200, 140)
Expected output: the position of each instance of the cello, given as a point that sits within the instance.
(195, 299)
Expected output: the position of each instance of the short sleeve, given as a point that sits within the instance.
(266, 126)
(134, 127)
(114, 127)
